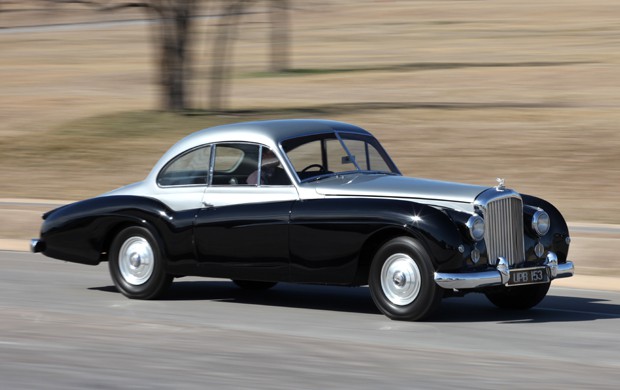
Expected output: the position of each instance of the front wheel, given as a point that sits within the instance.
(401, 280)
(136, 264)
(518, 297)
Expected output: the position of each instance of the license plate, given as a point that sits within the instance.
(528, 276)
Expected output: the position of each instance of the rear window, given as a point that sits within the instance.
(191, 168)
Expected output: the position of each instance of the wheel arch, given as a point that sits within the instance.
(401, 280)
(434, 229)
(377, 240)
(118, 226)
(137, 265)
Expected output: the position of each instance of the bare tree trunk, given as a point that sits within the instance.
(173, 36)
(280, 39)
(222, 51)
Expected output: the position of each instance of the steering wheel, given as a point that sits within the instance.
(321, 168)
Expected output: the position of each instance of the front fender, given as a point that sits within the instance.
(556, 239)
(440, 235)
(346, 232)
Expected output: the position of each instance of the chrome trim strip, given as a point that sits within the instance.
(501, 276)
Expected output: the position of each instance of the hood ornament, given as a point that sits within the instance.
(500, 184)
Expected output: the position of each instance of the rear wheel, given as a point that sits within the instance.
(253, 285)
(518, 297)
(136, 264)
(401, 280)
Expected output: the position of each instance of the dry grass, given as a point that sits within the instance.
(456, 90)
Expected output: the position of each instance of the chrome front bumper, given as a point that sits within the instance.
(500, 276)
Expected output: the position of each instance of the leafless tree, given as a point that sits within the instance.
(225, 35)
(171, 36)
(171, 32)
(222, 52)
(280, 37)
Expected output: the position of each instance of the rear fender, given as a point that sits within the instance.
(82, 231)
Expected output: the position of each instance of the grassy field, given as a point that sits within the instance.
(456, 90)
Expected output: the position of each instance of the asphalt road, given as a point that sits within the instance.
(63, 326)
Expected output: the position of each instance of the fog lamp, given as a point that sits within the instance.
(539, 250)
(475, 255)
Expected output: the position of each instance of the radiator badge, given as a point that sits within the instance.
(500, 184)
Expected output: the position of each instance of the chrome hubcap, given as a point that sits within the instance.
(136, 260)
(400, 279)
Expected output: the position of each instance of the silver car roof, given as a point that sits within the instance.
(269, 133)
(274, 131)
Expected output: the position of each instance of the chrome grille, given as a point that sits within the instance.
(504, 229)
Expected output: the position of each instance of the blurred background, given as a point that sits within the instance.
(93, 92)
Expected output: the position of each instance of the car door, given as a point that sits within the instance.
(242, 230)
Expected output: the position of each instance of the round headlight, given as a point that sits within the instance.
(541, 223)
(475, 224)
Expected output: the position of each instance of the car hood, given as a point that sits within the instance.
(395, 186)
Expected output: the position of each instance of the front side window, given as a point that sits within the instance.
(191, 168)
(270, 172)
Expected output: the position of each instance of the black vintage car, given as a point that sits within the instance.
(313, 201)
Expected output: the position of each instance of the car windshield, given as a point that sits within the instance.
(323, 155)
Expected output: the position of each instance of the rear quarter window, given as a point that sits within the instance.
(191, 168)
